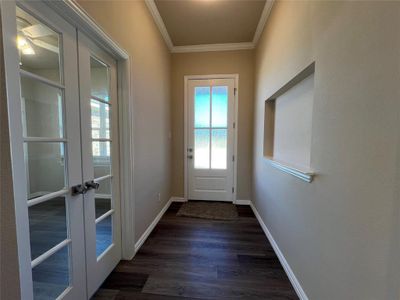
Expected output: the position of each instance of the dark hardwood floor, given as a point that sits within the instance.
(188, 258)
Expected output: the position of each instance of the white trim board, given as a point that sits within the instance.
(209, 47)
(242, 202)
(153, 224)
(289, 272)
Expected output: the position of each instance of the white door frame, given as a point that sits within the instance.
(235, 118)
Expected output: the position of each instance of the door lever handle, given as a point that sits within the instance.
(78, 189)
(190, 156)
(92, 185)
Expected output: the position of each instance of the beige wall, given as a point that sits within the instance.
(339, 233)
(205, 63)
(130, 24)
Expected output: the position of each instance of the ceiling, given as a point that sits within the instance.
(204, 25)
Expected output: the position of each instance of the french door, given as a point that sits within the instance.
(100, 160)
(210, 139)
(62, 103)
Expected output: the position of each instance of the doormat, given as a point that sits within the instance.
(208, 210)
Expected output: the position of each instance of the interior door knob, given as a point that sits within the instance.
(92, 185)
(78, 189)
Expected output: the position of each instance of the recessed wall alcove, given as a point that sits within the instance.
(288, 125)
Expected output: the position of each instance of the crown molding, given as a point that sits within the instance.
(213, 47)
(263, 20)
(209, 47)
(151, 5)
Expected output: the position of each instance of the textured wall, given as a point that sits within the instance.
(339, 233)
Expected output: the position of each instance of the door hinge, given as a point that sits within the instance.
(233, 189)
(233, 157)
(234, 125)
(234, 91)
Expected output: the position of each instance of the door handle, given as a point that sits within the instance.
(92, 185)
(78, 189)
(190, 156)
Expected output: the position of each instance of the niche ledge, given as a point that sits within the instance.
(301, 173)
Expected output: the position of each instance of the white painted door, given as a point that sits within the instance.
(64, 143)
(100, 158)
(42, 89)
(210, 129)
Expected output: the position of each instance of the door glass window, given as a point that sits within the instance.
(38, 47)
(42, 103)
(210, 127)
(101, 111)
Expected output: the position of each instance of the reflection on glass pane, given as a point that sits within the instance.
(38, 47)
(219, 106)
(201, 107)
(103, 235)
(219, 148)
(42, 109)
(45, 168)
(101, 158)
(100, 119)
(103, 204)
(51, 277)
(100, 81)
(103, 197)
(47, 225)
(202, 148)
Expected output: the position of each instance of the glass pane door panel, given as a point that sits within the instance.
(202, 148)
(103, 205)
(52, 276)
(100, 80)
(38, 47)
(103, 235)
(45, 167)
(100, 118)
(101, 158)
(103, 197)
(202, 107)
(42, 109)
(219, 106)
(219, 148)
(48, 225)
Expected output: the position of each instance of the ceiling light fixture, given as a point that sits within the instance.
(24, 46)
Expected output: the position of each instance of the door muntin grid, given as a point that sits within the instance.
(45, 148)
(210, 127)
(101, 133)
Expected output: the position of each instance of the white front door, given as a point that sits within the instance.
(100, 161)
(210, 128)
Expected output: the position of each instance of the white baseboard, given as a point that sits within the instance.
(242, 202)
(296, 284)
(178, 199)
(153, 224)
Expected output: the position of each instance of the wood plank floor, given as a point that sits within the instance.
(187, 258)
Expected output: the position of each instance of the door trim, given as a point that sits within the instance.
(235, 118)
(74, 14)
